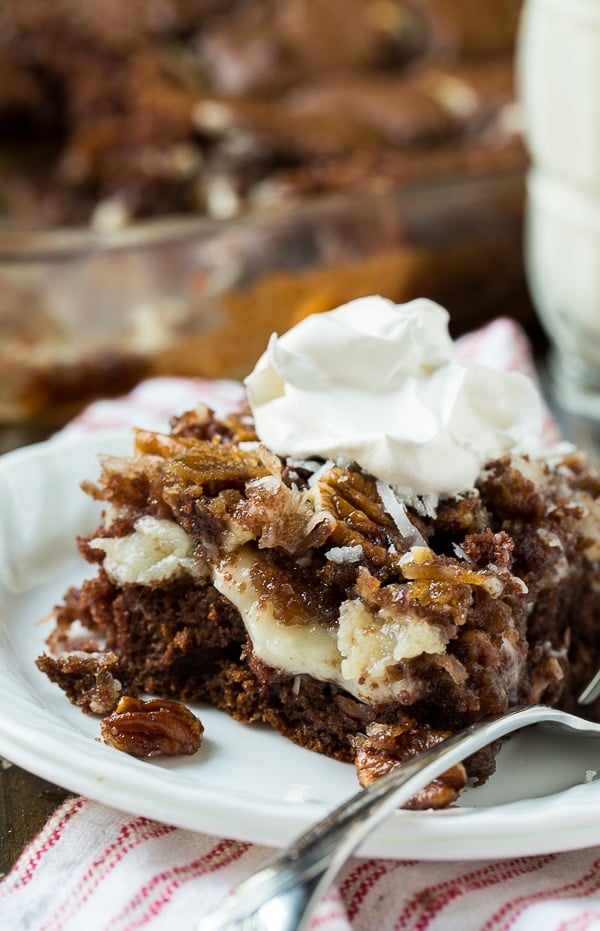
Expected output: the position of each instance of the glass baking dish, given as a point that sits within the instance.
(85, 314)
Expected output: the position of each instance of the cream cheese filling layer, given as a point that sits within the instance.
(307, 648)
(359, 653)
(156, 551)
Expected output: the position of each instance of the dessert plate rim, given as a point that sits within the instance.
(246, 782)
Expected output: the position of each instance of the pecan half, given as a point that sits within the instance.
(384, 747)
(152, 728)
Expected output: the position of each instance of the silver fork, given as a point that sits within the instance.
(282, 895)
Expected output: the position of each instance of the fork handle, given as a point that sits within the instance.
(282, 895)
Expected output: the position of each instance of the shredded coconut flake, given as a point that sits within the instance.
(493, 586)
(308, 465)
(316, 476)
(270, 483)
(424, 505)
(397, 511)
(341, 554)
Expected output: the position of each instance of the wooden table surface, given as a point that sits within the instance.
(26, 801)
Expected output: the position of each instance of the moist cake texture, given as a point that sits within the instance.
(361, 618)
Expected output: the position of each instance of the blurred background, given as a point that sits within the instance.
(179, 178)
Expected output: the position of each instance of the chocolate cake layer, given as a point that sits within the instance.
(210, 543)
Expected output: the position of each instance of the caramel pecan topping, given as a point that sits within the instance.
(152, 728)
(384, 747)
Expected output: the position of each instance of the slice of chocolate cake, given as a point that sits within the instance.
(375, 553)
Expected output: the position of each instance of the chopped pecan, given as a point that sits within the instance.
(359, 516)
(384, 747)
(205, 465)
(277, 515)
(152, 728)
(201, 423)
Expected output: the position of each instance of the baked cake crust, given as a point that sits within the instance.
(500, 586)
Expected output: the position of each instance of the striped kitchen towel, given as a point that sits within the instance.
(96, 869)
(93, 868)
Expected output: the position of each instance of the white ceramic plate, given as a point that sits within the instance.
(245, 782)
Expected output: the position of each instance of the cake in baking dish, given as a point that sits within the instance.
(217, 107)
(356, 145)
(375, 552)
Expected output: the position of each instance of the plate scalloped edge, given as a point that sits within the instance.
(41, 511)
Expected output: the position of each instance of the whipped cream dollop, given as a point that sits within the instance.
(382, 384)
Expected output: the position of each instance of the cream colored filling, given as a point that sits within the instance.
(295, 648)
(358, 654)
(157, 550)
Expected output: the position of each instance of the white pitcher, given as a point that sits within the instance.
(558, 68)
